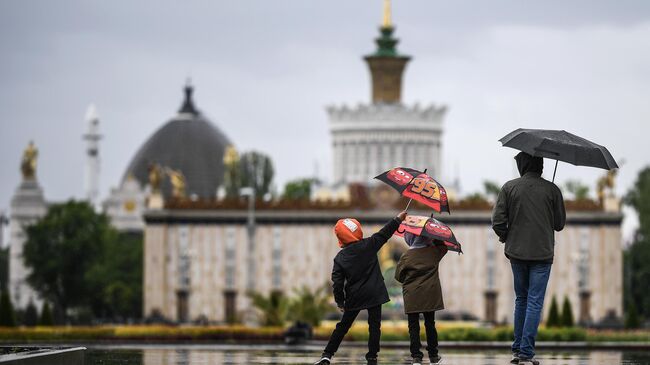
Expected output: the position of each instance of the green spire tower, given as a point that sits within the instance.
(386, 65)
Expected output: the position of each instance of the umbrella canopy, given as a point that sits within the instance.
(560, 145)
(418, 186)
(431, 228)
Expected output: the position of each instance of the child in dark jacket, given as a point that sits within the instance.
(358, 283)
(417, 270)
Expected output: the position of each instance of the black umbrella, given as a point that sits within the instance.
(560, 146)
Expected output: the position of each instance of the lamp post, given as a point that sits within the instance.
(250, 230)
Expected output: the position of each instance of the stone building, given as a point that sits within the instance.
(369, 139)
(197, 262)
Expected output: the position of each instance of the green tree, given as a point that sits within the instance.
(256, 171)
(46, 318)
(7, 315)
(299, 189)
(553, 319)
(30, 318)
(310, 306)
(273, 307)
(492, 189)
(60, 250)
(566, 319)
(4, 265)
(632, 319)
(577, 189)
(117, 279)
(637, 256)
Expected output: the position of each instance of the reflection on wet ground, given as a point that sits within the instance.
(228, 355)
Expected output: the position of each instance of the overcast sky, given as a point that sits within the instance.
(264, 71)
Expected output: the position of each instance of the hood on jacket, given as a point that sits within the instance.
(527, 163)
(415, 241)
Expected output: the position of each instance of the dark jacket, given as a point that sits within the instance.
(356, 276)
(527, 212)
(417, 270)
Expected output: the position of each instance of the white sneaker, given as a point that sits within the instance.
(323, 361)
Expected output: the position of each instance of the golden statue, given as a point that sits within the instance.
(155, 177)
(177, 179)
(606, 182)
(387, 23)
(231, 156)
(28, 164)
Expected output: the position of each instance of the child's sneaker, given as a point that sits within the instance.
(515, 358)
(417, 361)
(434, 360)
(371, 361)
(323, 361)
(528, 362)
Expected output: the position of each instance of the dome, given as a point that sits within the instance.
(188, 143)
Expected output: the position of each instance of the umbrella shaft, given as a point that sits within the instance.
(555, 170)
(408, 204)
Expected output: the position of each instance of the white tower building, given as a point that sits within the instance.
(92, 137)
(370, 139)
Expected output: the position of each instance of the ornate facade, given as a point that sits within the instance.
(197, 262)
(369, 139)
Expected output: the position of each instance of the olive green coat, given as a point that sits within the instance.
(417, 270)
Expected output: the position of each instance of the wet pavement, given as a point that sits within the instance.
(271, 355)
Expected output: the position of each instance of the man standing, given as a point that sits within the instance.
(527, 212)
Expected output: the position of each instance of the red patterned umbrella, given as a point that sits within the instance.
(417, 185)
(431, 228)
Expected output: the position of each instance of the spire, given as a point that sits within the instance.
(386, 64)
(387, 16)
(188, 103)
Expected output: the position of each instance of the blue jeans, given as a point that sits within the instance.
(530, 287)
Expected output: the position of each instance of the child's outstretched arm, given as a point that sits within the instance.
(377, 240)
(338, 285)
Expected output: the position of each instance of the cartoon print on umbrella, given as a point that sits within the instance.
(431, 228)
(417, 185)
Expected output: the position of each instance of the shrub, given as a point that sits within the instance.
(553, 319)
(567, 314)
(7, 315)
(30, 319)
(632, 319)
(46, 315)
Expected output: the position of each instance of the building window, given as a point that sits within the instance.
(231, 257)
(277, 259)
(183, 258)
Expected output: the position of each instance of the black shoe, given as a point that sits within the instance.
(323, 361)
(528, 362)
(417, 361)
(515, 358)
(434, 360)
(371, 361)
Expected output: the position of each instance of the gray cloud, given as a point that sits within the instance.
(266, 66)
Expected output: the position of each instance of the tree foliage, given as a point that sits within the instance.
(566, 319)
(273, 307)
(553, 319)
(492, 189)
(77, 260)
(4, 266)
(299, 189)
(256, 171)
(310, 306)
(46, 318)
(637, 256)
(30, 318)
(7, 315)
(577, 189)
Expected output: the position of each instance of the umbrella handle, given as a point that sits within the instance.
(554, 171)
(400, 232)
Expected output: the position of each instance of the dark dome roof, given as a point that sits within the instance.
(189, 143)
